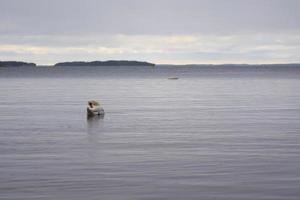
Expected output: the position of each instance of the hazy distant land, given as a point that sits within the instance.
(16, 64)
(134, 63)
(106, 63)
(80, 63)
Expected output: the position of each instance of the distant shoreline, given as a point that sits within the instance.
(127, 63)
(105, 63)
(78, 63)
(231, 65)
(16, 64)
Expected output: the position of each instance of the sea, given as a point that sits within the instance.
(216, 133)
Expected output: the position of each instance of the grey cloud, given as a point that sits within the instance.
(252, 48)
(38, 17)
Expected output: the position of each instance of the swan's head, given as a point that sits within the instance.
(92, 103)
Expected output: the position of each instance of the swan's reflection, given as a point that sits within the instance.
(94, 124)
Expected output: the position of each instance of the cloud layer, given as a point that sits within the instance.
(178, 49)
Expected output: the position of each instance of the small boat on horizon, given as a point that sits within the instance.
(173, 78)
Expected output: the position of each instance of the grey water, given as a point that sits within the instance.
(215, 133)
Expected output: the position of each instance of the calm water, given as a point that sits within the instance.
(215, 133)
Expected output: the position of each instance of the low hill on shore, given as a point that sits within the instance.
(16, 64)
(106, 63)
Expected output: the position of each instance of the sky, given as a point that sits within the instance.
(159, 31)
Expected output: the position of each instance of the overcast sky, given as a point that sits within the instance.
(160, 31)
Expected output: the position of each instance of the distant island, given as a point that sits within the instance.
(16, 64)
(105, 63)
(135, 63)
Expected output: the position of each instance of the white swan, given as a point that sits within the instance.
(94, 108)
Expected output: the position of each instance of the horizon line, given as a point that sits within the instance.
(187, 64)
(173, 64)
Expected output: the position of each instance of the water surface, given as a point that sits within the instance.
(215, 133)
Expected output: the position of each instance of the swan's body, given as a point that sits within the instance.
(94, 108)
